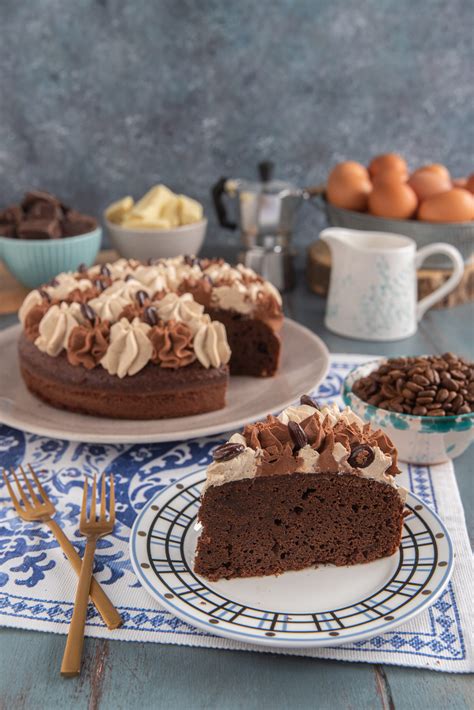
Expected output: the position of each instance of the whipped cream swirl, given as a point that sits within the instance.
(55, 327)
(130, 348)
(211, 346)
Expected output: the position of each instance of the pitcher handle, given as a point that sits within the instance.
(455, 278)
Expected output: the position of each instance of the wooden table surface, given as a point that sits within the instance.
(145, 675)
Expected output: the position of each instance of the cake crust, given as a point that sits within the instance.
(152, 393)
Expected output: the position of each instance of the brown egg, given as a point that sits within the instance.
(460, 182)
(437, 168)
(349, 186)
(392, 199)
(388, 162)
(456, 205)
(470, 183)
(426, 183)
(389, 176)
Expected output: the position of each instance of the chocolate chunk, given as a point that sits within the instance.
(298, 435)
(39, 229)
(306, 399)
(76, 223)
(7, 230)
(361, 456)
(150, 315)
(228, 451)
(88, 312)
(34, 196)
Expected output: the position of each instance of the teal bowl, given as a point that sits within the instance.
(35, 261)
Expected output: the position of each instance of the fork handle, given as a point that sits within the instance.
(71, 665)
(104, 606)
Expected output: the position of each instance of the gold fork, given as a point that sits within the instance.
(92, 528)
(35, 510)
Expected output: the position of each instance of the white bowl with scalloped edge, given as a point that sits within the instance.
(419, 440)
(143, 244)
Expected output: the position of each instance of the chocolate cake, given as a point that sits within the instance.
(311, 486)
(135, 341)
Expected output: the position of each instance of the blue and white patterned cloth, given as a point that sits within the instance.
(37, 585)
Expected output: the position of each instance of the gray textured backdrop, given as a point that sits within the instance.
(100, 99)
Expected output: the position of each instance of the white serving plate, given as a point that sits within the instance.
(323, 606)
(305, 362)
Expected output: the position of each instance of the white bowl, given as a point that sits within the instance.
(419, 440)
(143, 244)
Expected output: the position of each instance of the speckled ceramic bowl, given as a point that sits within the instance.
(419, 440)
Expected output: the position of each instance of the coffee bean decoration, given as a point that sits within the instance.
(298, 435)
(88, 313)
(228, 451)
(309, 401)
(190, 260)
(104, 270)
(82, 268)
(44, 294)
(141, 297)
(53, 282)
(129, 277)
(361, 456)
(150, 315)
(431, 385)
(99, 285)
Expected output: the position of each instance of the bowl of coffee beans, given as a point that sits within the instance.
(424, 403)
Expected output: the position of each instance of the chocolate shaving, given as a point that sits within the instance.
(228, 451)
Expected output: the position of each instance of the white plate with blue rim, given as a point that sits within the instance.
(304, 364)
(321, 606)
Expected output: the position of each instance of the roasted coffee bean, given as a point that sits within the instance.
(361, 456)
(88, 312)
(421, 380)
(298, 435)
(306, 399)
(150, 315)
(82, 268)
(420, 411)
(44, 294)
(104, 270)
(437, 413)
(427, 393)
(53, 282)
(190, 260)
(129, 277)
(465, 409)
(418, 384)
(100, 285)
(141, 297)
(414, 387)
(228, 451)
(457, 402)
(424, 400)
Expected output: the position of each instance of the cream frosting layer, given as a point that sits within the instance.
(308, 459)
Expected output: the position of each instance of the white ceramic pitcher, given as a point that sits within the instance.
(373, 287)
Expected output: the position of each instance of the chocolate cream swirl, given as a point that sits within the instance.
(172, 345)
(88, 344)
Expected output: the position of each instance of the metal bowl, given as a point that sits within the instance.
(459, 235)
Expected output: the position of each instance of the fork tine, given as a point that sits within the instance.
(15, 500)
(23, 496)
(44, 495)
(112, 500)
(93, 499)
(33, 495)
(85, 491)
(103, 501)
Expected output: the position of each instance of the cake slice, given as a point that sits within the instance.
(308, 487)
